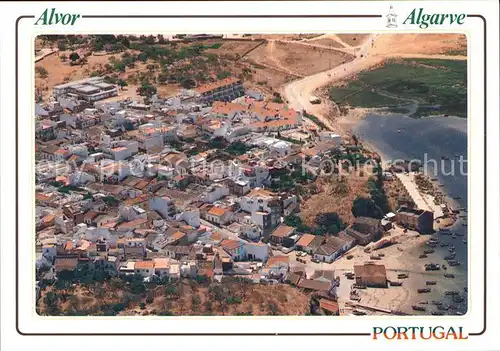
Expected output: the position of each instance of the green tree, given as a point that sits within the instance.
(43, 73)
(365, 207)
(146, 89)
(142, 57)
(74, 56)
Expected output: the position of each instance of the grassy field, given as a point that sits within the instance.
(430, 82)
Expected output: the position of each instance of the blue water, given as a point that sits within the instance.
(396, 136)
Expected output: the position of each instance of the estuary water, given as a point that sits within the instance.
(444, 140)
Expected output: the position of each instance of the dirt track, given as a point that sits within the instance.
(372, 52)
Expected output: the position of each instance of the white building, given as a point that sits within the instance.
(281, 148)
(215, 192)
(256, 251)
(191, 216)
(163, 205)
(329, 136)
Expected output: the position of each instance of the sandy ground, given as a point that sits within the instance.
(423, 201)
(372, 52)
(402, 257)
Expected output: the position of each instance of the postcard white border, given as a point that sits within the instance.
(29, 322)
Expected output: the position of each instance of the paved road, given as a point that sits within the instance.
(299, 92)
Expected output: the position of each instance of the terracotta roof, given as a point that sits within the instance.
(305, 240)
(217, 211)
(218, 84)
(177, 236)
(66, 263)
(313, 285)
(144, 265)
(277, 261)
(282, 231)
(216, 236)
(370, 270)
(42, 197)
(161, 263)
(230, 244)
(330, 306)
(132, 224)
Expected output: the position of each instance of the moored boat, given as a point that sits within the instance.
(449, 275)
(458, 299)
(418, 308)
(437, 313)
(423, 290)
(432, 267)
(430, 282)
(358, 312)
(422, 256)
(428, 251)
(451, 292)
(450, 257)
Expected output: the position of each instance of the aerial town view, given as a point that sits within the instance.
(251, 174)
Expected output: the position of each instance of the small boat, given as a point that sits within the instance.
(358, 312)
(443, 307)
(445, 158)
(428, 251)
(432, 267)
(437, 303)
(399, 130)
(444, 244)
(423, 290)
(450, 257)
(430, 282)
(457, 155)
(393, 283)
(437, 313)
(459, 234)
(424, 302)
(418, 308)
(431, 244)
(453, 236)
(464, 224)
(451, 292)
(454, 263)
(451, 249)
(422, 256)
(402, 275)
(457, 197)
(464, 241)
(458, 299)
(452, 307)
(465, 289)
(449, 275)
